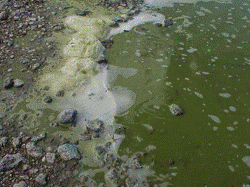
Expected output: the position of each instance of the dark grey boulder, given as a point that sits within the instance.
(41, 179)
(10, 161)
(68, 152)
(175, 109)
(8, 82)
(67, 116)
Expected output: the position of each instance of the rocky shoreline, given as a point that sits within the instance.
(44, 160)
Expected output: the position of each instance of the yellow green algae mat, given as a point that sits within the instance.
(200, 63)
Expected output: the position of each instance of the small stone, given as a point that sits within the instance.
(118, 19)
(47, 99)
(33, 171)
(3, 15)
(114, 24)
(68, 152)
(107, 43)
(39, 137)
(34, 150)
(10, 161)
(8, 82)
(41, 179)
(167, 22)
(20, 184)
(3, 141)
(16, 142)
(26, 167)
(50, 157)
(60, 93)
(175, 110)
(67, 116)
(18, 83)
(36, 66)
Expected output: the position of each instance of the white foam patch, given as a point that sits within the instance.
(215, 118)
(141, 18)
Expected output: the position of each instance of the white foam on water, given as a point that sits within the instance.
(198, 95)
(225, 95)
(233, 109)
(141, 18)
(246, 160)
(215, 118)
(231, 168)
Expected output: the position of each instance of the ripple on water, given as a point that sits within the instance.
(214, 118)
(225, 95)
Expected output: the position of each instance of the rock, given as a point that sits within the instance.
(3, 15)
(50, 157)
(41, 179)
(10, 161)
(95, 128)
(60, 93)
(102, 61)
(47, 99)
(18, 83)
(175, 110)
(114, 24)
(67, 116)
(39, 137)
(34, 150)
(36, 66)
(68, 152)
(100, 150)
(16, 142)
(167, 22)
(118, 19)
(107, 43)
(20, 184)
(83, 13)
(8, 82)
(3, 141)
(112, 178)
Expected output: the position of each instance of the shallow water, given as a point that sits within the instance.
(200, 64)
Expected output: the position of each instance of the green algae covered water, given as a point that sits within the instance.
(201, 63)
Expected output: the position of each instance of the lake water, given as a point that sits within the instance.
(201, 63)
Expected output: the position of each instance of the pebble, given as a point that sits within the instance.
(8, 82)
(36, 66)
(67, 116)
(10, 161)
(50, 157)
(20, 184)
(3, 15)
(68, 152)
(16, 142)
(39, 137)
(18, 83)
(34, 150)
(3, 141)
(47, 99)
(175, 109)
(41, 179)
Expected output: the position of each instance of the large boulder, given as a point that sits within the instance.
(68, 152)
(67, 116)
(10, 161)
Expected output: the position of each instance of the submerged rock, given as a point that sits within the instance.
(68, 152)
(67, 116)
(95, 128)
(175, 109)
(10, 161)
